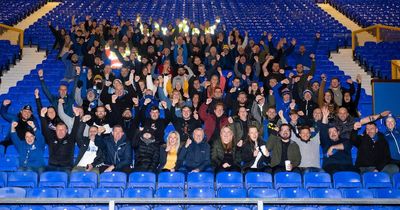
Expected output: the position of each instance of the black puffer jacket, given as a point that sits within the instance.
(147, 154)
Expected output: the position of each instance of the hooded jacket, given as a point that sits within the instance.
(117, 153)
(147, 154)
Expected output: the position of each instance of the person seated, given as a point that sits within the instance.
(286, 154)
(146, 151)
(169, 153)
(309, 149)
(31, 150)
(90, 156)
(225, 156)
(373, 152)
(118, 152)
(392, 136)
(213, 122)
(254, 153)
(336, 150)
(241, 123)
(196, 153)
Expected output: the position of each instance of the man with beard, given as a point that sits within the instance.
(186, 124)
(309, 150)
(69, 99)
(72, 63)
(154, 122)
(344, 122)
(272, 122)
(101, 120)
(125, 118)
(285, 153)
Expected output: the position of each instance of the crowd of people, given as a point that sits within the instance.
(130, 81)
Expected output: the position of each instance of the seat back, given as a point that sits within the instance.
(317, 179)
(170, 193)
(53, 179)
(12, 192)
(171, 179)
(346, 179)
(106, 193)
(83, 179)
(287, 179)
(113, 179)
(138, 193)
(263, 193)
(376, 180)
(42, 193)
(357, 193)
(258, 179)
(201, 192)
(228, 192)
(142, 179)
(326, 193)
(294, 193)
(74, 193)
(386, 193)
(27, 179)
(229, 179)
(200, 179)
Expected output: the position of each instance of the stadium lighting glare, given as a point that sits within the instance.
(164, 30)
(156, 26)
(186, 29)
(218, 20)
(195, 31)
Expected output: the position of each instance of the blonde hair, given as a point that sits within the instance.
(178, 139)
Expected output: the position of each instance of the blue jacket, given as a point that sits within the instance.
(393, 139)
(197, 155)
(30, 155)
(118, 154)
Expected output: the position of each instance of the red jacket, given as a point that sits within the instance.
(210, 121)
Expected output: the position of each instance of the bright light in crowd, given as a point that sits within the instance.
(218, 20)
(156, 26)
(139, 58)
(195, 31)
(186, 29)
(164, 30)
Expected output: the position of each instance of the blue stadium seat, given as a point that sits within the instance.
(97, 208)
(376, 180)
(335, 208)
(325, 193)
(396, 180)
(12, 192)
(316, 180)
(294, 193)
(287, 179)
(3, 179)
(83, 180)
(200, 179)
(55, 179)
(357, 193)
(168, 208)
(42, 193)
(201, 208)
(227, 192)
(65, 208)
(22, 179)
(201, 192)
(113, 179)
(142, 179)
(9, 164)
(138, 193)
(258, 179)
(229, 179)
(134, 208)
(234, 208)
(272, 208)
(4, 208)
(170, 193)
(30, 208)
(386, 193)
(106, 193)
(346, 179)
(302, 208)
(171, 179)
(74, 193)
(263, 193)
(11, 151)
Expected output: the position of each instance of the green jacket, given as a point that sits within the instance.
(274, 146)
(237, 128)
(217, 154)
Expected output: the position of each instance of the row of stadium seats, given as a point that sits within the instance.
(370, 12)
(376, 57)
(12, 12)
(199, 180)
(9, 54)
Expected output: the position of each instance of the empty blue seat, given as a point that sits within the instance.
(168, 208)
(22, 179)
(258, 179)
(396, 180)
(55, 179)
(3, 179)
(262, 193)
(227, 192)
(346, 179)
(386, 193)
(83, 180)
(294, 193)
(142, 179)
(201, 192)
(170, 193)
(357, 193)
(376, 180)
(171, 179)
(113, 179)
(65, 208)
(325, 193)
(335, 208)
(138, 193)
(106, 193)
(135, 208)
(272, 208)
(317, 179)
(42, 193)
(201, 208)
(287, 179)
(30, 208)
(302, 208)
(97, 208)
(200, 179)
(74, 193)
(12, 192)
(12, 151)
(229, 179)
(234, 208)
